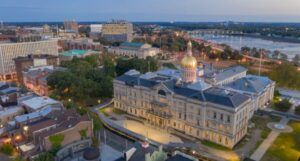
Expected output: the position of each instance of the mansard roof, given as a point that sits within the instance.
(250, 83)
(213, 95)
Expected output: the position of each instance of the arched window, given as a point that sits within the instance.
(162, 92)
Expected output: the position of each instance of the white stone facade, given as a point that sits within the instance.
(165, 109)
(143, 52)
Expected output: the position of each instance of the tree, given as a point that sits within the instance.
(245, 49)
(170, 65)
(143, 65)
(286, 75)
(83, 133)
(283, 105)
(56, 140)
(296, 59)
(18, 158)
(297, 110)
(109, 67)
(45, 157)
(83, 81)
(7, 149)
(227, 53)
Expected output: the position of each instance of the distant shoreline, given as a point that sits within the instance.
(275, 39)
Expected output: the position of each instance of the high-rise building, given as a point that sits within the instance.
(9, 51)
(117, 31)
(96, 28)
(71, 26)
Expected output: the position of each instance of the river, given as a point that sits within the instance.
(236, 42)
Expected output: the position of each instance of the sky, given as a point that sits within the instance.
(151, 10)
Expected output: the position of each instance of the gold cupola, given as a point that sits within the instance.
(189, 66)
(189, 61)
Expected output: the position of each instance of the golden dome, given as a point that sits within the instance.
(188, 62)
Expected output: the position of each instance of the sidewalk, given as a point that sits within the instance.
(264, 146)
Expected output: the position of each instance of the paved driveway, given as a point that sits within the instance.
(149, 132)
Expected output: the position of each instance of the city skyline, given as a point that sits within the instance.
(151, 10)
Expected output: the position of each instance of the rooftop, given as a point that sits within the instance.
(65, 119)
(137, 153)
(178, 157)
(250, 83)
(132, 44)
(74, 52)
(32, 56)
(225, 97)
(41, 113)
(214, 95)
(227, 73)
(10, 110)
(9, 90)
(39, 102)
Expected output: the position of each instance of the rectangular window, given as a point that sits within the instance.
(221, 117)
(215, 115)
(228, 118)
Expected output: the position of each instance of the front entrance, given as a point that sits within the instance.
(157, 121)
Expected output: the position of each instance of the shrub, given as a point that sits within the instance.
(283, 105)
(297, 110)
(56, 140)
(7, 149)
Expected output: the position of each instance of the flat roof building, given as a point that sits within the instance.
(118, 31)
(9, 51)
(37, 103)
(71, 26)
(130, 49)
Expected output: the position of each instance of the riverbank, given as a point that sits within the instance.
(275, 39)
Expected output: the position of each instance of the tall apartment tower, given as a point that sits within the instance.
(71, 26)
(117, 31)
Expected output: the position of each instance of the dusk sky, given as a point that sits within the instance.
(151, 10)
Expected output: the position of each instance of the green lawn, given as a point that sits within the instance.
(118, 112)
(105, 111)
(286, 147)
(214, 145)
(261, 123)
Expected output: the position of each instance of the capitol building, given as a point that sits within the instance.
(197, 100)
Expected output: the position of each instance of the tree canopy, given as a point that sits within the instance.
(83, 81)
(286, 75)
(142, 65)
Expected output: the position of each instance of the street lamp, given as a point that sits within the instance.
(25, 128)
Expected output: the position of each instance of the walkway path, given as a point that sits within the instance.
(264, 146)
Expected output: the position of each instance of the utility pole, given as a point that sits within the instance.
(260, 63)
